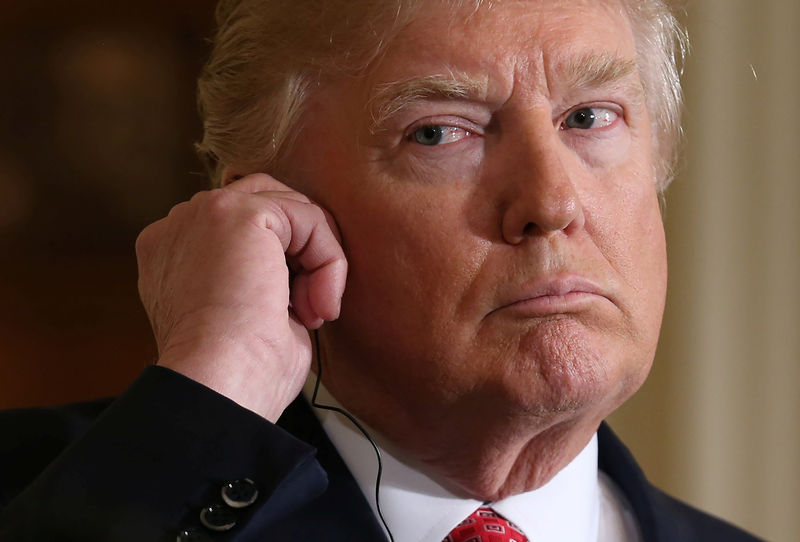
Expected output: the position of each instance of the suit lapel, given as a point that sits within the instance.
(341, 513)
(618, 463)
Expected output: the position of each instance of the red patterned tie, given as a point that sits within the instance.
(486, 525)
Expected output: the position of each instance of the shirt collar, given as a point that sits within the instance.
(418, 508)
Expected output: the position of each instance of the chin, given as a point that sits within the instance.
(562, 370)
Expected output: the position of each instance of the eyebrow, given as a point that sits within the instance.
(391, 98)
(587, 71)
(597, 70)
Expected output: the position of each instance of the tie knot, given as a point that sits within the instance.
(486, 525)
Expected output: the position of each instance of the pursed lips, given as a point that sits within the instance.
(543, 297)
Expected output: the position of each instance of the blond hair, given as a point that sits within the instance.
(269, 54)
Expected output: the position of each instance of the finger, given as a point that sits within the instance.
(305, 233)
(316, 297)
(301, 306)
(266, 185)
(261, 182)
(325, 286)
(309, 239)
(315, 249)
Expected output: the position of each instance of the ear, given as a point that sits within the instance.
(228, 176)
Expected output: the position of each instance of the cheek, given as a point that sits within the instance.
(625, 222)
(641, 259)
(648, 246)
(411, 258)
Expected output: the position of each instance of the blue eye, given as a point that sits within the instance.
(438, 134)
(587, 118)
(429, 135)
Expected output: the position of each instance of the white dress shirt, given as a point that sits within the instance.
(579, 504)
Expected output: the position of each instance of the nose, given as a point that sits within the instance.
(542, 197)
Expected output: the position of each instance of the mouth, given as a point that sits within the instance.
(565, 295)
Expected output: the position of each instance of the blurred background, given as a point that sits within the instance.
(97, 122)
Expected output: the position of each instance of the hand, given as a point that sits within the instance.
(214, 280)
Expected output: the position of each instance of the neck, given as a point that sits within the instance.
(472, 446)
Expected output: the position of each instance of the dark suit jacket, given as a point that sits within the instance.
(142, 468)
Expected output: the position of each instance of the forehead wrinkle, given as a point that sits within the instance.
(389, 99)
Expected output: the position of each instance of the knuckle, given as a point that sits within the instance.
(299, 196)
(142, 242)
(257, 182)
(315, 212)
(263, 177)
(215, 203)
(175, 215)
(275, 217)
(147, 238)
(177, 209)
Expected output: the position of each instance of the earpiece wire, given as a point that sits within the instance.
(356, 423)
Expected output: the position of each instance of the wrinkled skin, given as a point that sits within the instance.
(509, 277)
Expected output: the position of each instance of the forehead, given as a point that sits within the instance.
(495, 43)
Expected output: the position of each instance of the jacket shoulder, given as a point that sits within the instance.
(683, 522)
(661, 518)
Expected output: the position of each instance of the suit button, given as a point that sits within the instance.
(240, 493)
(218, 517)
(192, 535)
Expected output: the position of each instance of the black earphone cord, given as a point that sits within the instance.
(355, 422)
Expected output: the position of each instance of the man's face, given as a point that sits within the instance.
(498, 209)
